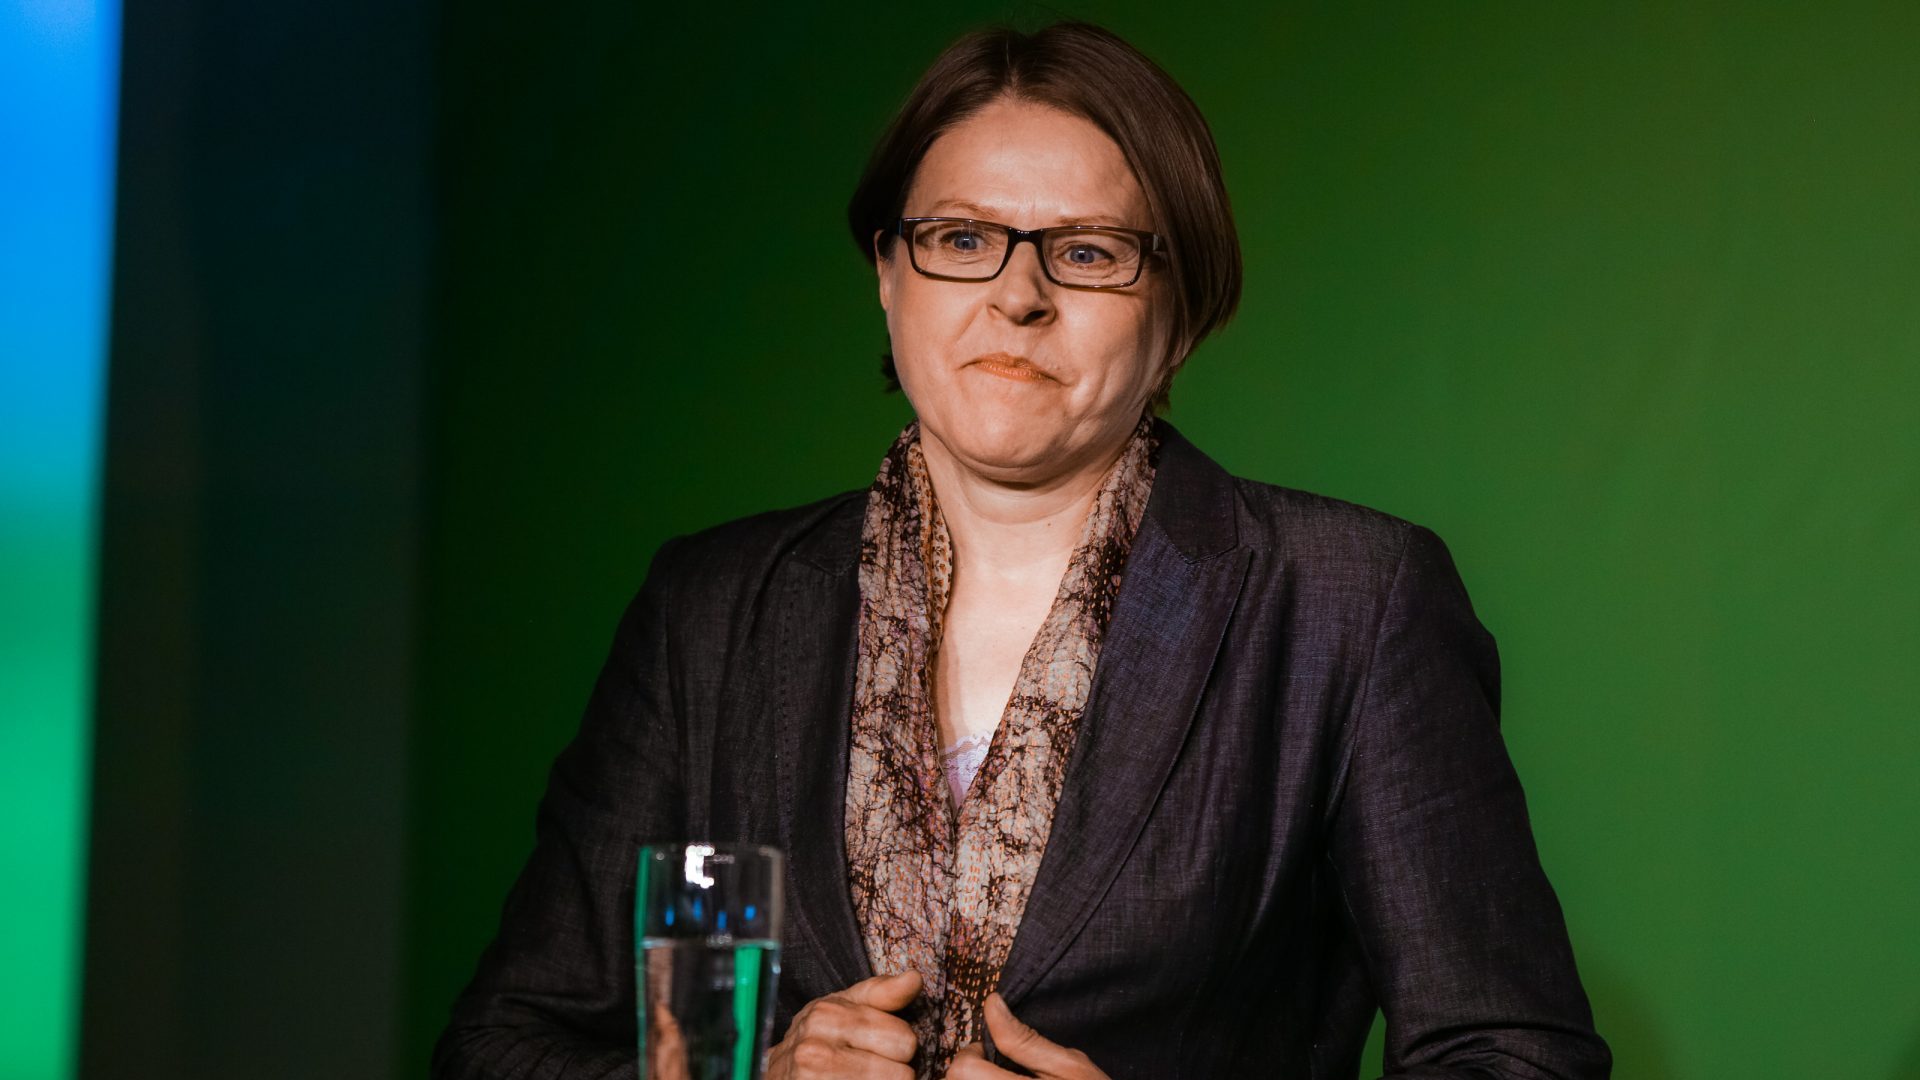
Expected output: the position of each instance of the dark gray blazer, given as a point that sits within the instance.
(1289, 804)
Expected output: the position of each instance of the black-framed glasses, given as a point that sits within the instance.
(1077, 256)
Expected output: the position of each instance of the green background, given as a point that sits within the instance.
(1622, 300)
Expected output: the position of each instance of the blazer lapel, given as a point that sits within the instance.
(1182, 582)
(816, 604)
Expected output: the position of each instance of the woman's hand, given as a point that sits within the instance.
(1025, 1046)
(852, 1033)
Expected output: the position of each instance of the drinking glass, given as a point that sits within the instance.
(707, 926)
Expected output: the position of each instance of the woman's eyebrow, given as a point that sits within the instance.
(981, 213)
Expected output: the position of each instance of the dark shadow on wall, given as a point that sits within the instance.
(1641, 1050)
(260, 503)
(1909, 1066)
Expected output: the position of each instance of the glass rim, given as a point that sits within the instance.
(663, 849)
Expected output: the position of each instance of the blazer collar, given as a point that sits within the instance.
(1193, 498)
(1182, 582)
(832, 546)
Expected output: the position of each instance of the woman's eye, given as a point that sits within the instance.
(962, 240)
(1087, 255)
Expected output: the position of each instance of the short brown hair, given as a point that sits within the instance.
(1090, 72)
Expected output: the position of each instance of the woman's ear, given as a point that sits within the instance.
(883, 266)
(1176, 360)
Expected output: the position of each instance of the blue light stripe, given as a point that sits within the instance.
(59, 77)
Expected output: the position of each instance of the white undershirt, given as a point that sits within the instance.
(962, 760)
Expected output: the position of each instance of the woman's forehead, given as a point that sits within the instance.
(1031, 166)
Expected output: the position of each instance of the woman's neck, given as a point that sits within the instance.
(1013, 532)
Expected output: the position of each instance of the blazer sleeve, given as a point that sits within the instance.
(554, 993)
(1464, 940)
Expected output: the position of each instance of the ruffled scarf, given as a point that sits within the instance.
(938, 890)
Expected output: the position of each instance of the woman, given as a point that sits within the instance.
(1089, 759)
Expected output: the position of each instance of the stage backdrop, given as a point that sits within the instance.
(1623, 301)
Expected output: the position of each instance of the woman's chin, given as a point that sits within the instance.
(1008, 451)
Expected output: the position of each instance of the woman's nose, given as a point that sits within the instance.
(1023, 292)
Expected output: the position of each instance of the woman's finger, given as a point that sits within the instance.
(884, 992)
(862, 1028)
(847, 1063)
(1027, 1047)
(817, 1059)
(971, 1064)
(850, 1033)
(861, 1016)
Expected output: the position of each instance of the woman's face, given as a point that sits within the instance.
(1020, 379)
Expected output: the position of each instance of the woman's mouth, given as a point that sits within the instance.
(1008, 366)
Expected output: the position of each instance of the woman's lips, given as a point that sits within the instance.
(1008, 366)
